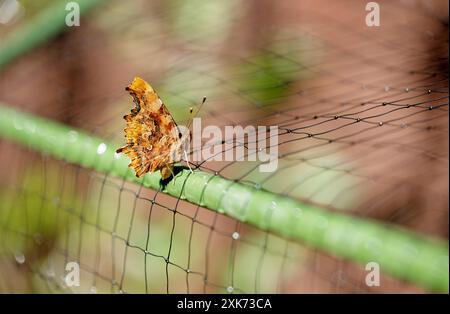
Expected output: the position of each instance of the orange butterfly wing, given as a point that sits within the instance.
(153, 138)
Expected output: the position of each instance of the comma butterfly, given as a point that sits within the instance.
(154, 141)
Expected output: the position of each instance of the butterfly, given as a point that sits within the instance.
(154, 141)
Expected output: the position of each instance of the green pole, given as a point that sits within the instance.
(400, 253)
(47, 24)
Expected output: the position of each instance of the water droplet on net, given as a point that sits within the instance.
(273, 205)
(101, 149)
(19, 257)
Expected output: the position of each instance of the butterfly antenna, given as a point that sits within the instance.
(191, 110)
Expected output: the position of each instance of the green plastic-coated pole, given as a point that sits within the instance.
(398, 252)
(402, 254)
(47, 24)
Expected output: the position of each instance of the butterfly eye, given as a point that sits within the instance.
(180, 135)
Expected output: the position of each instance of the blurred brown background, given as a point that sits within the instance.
(356, 135)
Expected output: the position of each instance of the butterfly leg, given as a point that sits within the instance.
(187, 161)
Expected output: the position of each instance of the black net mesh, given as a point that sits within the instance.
(363, 121)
